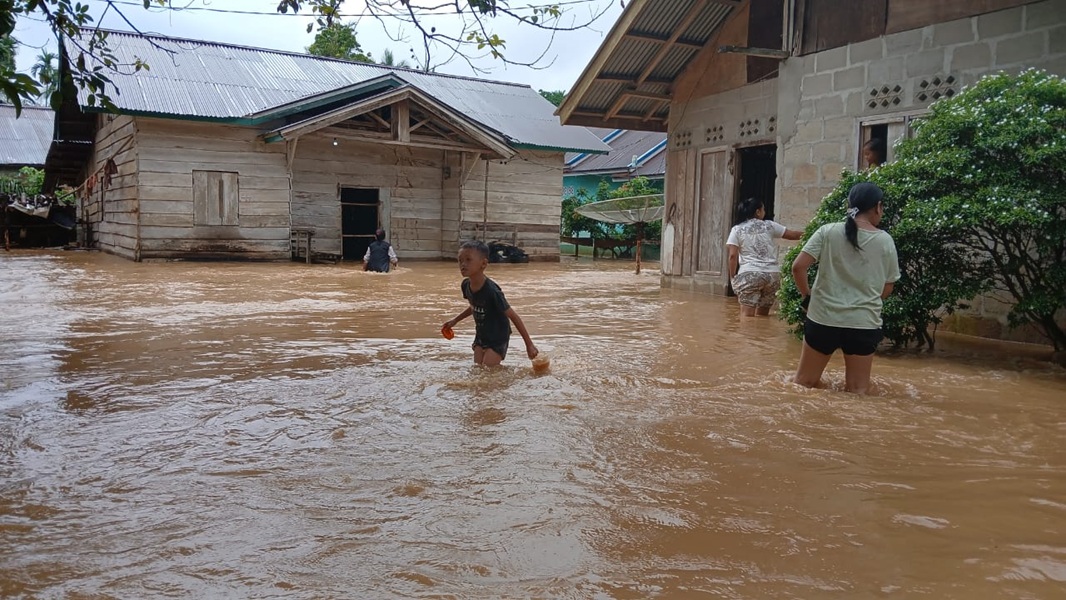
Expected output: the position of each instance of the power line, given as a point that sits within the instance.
(418, 13)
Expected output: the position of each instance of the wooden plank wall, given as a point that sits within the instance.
(411, 180)
(525, 192)
(168, 153)
(456, 167)
(112, 213)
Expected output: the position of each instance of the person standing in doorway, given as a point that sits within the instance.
(857, 268)
(379, 255)
(752, 249)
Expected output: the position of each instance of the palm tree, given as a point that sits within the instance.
(388, 60)
(46, 72)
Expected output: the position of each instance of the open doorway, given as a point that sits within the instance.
(757, 169)
(359, 220)
(758, 177)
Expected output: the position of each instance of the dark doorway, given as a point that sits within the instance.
(758, 176)
(359, 220)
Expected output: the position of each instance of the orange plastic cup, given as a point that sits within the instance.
(447, 332)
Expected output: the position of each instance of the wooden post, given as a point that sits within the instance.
(485, 209)
(401, 121)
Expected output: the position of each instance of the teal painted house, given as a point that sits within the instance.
(633, 154)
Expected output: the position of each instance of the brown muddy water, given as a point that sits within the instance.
(277, 430)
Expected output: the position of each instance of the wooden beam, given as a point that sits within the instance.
(654, 109)
(617, 34)
(634, 122)
(401, 121)
(290, 153)
(417, 142)
(648, 95)
(419, 124)
(624, 97)
(380, 120)
(631, 79)
(648, 37)
(688, 19)
(762, 52)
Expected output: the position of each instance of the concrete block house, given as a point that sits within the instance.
(773, 98)
(228, 152)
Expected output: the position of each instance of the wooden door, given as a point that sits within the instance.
(713, 211)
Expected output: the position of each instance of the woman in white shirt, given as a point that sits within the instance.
(857, 268)
(753, 269)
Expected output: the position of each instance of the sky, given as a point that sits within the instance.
(563, 63)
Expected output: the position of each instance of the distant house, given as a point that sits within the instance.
(633, 154)
(24, 141)
(772, 99)
(222, 151)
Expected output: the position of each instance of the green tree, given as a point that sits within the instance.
(46, 72)
(976, 203)
(338, 41)
(555, 97)
(8, 51)
(574, 223)
(389, 60)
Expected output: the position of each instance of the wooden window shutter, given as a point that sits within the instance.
(215, 198)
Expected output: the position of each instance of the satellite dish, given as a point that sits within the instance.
(634, 210)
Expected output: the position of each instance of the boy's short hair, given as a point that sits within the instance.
(477, 246)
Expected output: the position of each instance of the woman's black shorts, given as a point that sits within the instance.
(827, 339)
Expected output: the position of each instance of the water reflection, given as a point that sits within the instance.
(235, 430)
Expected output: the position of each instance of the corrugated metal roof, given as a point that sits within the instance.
(624, 148)
(611, 77)
(200, 79)
(24, 141)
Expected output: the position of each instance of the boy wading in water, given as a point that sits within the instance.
(489, 307)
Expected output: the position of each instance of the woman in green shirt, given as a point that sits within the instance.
(857, 267)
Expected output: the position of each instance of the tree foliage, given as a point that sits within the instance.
(574, 223)
(553, 96)
(90, 62)
(338, 41)
(976, 203)
(27, 180)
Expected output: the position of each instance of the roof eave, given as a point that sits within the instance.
(592, 70)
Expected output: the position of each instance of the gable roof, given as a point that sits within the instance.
(458, 122)
(204, 80)
(633, 152)
(24, 141)
(627, 84)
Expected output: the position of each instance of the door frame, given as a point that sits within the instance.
(696, 226)
(384, 208)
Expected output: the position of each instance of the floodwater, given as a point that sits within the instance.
(215, 430)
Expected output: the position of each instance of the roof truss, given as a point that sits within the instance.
(404, 116)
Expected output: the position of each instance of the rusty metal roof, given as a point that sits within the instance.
(24, 141)
(208, 80)
(628, 82)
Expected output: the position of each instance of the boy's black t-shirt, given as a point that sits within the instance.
(490, 308)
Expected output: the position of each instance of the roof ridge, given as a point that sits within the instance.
(26, 106)
(304, 55)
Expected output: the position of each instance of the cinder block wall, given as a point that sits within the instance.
(826, 95)
(819, 121)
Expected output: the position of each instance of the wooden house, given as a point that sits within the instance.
(773, 98)
(227, 152)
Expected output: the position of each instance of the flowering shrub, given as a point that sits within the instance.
(976, 203)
